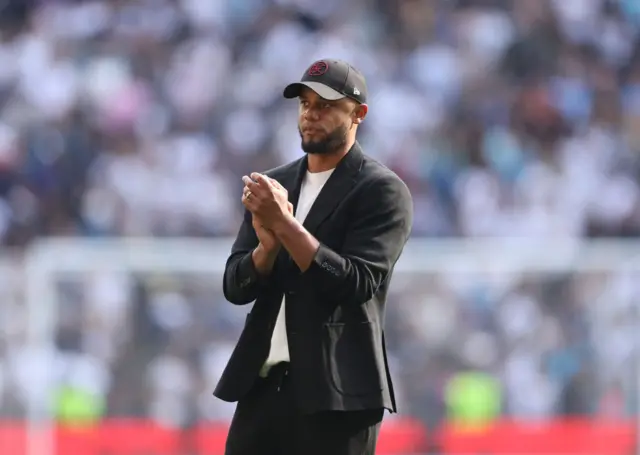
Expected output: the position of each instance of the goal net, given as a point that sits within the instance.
(139, 329)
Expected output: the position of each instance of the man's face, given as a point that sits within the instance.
(324, 124)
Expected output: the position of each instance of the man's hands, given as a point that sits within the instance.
(268, 202)
(266, 199)
(266, 237)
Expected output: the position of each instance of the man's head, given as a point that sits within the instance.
(332, 96)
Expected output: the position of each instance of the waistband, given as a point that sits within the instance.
(278, 374)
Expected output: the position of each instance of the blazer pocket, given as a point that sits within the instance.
(350, 353)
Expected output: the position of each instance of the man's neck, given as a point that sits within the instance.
(320, 163)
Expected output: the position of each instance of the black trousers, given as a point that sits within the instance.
(266, 422)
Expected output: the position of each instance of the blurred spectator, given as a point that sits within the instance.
(138, 118)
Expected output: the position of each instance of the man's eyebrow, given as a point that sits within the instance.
(321, 100)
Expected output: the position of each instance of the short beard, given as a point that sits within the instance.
(333, 142)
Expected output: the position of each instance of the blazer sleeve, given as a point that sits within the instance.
(241, 282)
(376, 236)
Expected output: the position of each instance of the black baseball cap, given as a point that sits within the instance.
(332, 80)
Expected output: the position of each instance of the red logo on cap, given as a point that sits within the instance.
(318, 69)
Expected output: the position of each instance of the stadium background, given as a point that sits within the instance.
(128, 118)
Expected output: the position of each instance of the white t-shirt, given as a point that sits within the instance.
(309, 191)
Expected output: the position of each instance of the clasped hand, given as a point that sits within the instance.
(266, 199)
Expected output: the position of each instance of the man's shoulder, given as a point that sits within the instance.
(384, 190)
(376, 173)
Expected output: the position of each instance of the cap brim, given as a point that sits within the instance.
(294, 90)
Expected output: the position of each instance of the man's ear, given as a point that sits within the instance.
(360, 113)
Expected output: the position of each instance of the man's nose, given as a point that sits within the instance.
(311, 114)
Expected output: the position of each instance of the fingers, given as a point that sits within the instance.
(259, 184)
(276, 184)
(246, 201)
(261, 179)
(250, 185)
(246, 195)
(259, 187)
(249, 199)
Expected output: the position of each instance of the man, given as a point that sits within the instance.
(310, 371)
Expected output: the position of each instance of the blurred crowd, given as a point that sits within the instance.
(504, 117)
(138, 117)
(559, 345)
(154, 345)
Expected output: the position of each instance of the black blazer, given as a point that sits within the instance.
(334, 310)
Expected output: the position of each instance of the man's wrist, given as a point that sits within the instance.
(263, 259)
(268, 253)
(301, 245)
(284, 225)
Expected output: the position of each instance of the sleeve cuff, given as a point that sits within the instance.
(329, 262)
(247, 273)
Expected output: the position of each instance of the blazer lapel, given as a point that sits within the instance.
(293, 181)
(339, 184)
